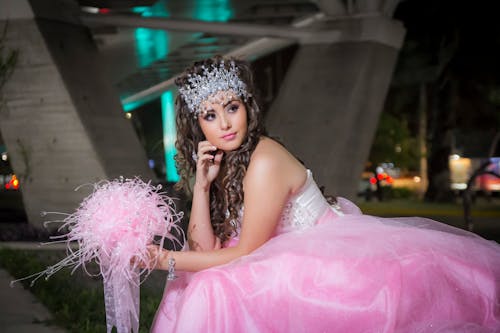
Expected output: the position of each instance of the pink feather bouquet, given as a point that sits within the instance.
(113, 226)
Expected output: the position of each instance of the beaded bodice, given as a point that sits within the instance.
(304, 208)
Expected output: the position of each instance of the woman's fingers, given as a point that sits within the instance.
(205, 147)
(205, 157)
(208, 163)
(152, 259)
(206, 151)
(139, 262)
(218, 156)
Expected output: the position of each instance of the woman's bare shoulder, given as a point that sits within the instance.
(272, 160)
(268, 151)
(267, 145)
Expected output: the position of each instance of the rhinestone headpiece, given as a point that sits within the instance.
(205, 87)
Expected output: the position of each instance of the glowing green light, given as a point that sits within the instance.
(169, 135)
(132, 106)
(151, 45)
(141, 9)
(213, 11)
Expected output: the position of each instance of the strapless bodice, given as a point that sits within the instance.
(304, 208)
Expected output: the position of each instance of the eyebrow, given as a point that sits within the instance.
(229, 102)
(224, 105)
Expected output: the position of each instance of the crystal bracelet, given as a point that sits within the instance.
(171, 269)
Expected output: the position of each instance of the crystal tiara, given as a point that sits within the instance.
(216, 78)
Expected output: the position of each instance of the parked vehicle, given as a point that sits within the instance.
(462, 169)
(9, 182)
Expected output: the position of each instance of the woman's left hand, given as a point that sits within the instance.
(154, 260)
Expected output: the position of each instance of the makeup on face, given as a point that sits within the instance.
(224, 124)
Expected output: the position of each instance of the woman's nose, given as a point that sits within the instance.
(225, 122)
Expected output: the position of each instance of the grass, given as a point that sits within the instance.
(485, 214)
(414, 207)
(75, 301)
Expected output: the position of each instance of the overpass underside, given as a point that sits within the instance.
(63, 124)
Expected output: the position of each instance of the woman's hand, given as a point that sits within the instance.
(154, 260)
(207, 165)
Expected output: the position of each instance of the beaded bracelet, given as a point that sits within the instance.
(171, 269)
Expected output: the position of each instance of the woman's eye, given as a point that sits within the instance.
(209, 116)
(234, 108)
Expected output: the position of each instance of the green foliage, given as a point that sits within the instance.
(75, 300)
(403, 193)
(394, 143)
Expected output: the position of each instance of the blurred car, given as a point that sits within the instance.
(10, 182)
(461, 169)
(489, 182)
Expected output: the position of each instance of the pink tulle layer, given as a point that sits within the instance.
(351, 273)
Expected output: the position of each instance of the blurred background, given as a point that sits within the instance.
(392, 103)
(432, 136)
(426, 132)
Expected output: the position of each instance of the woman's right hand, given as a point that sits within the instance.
(208, 164)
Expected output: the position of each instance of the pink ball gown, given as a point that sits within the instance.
(332, 269)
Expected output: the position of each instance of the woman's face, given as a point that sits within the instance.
(224, 124)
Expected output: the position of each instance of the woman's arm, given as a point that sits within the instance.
(200, 231)
(268, 184)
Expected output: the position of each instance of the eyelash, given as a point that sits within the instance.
(232, 109)
(209, 116)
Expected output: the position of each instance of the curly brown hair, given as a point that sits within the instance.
(226, 191)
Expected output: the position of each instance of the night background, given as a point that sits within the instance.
(439, 130)
(443, 101)
(446, 76)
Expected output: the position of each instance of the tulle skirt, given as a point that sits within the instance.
(353, 273)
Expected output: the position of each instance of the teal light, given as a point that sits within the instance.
(169, 135)
(141, 9)
(132, 106)
(151, 45)
(213, 11)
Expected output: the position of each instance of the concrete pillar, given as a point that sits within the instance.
(61, 121)
(328, 107)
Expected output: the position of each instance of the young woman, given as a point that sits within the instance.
(268, 253)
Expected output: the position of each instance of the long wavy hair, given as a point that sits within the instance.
(226, 191)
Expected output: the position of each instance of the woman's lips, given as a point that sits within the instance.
(229, 136)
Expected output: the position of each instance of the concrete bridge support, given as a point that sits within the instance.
(328, 107)
(61, 120)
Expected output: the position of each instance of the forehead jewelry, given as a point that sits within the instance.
(216, 84)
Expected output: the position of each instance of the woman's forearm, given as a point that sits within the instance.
(193, 261)
(200, 232)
